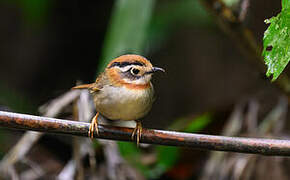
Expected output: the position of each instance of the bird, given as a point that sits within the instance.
(123, 91)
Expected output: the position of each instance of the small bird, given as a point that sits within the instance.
(123, 91)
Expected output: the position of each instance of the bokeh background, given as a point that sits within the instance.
(47, 46)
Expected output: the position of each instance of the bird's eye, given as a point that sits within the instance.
(135, 71)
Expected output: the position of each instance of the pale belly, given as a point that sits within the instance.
(120, 103)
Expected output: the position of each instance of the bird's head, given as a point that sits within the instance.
(131, 70)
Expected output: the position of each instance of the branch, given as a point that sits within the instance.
(273, 147)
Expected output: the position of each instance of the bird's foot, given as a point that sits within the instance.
(94, 127)
(138, 131)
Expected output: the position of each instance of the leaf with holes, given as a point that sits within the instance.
(276, 49)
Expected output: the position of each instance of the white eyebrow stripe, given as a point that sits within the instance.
(126, 68)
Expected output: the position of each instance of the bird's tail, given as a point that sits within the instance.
(83, 86)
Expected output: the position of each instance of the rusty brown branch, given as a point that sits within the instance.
(273, 147)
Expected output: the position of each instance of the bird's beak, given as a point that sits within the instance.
(154, 69)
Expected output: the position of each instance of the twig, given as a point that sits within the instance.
(114, 161)
(77, 155)
(86, 113)
(261, 146)
(35, 171)
(274, 118)
(251, 118)
(13, 173)
(19, 150)
(244, 9)
(68, 171)
(232, 127)
(242, 166)
(82, 111)
(52, 109)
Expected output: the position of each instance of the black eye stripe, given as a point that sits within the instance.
(124, 64)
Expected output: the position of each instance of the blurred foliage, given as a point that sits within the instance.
(192, 124)
(127, 29)
(231, 3)
(173, 14)
(122, 37)
(34, 11)
(276, 49)
(199, 123)
(15, 101)
(166, 157)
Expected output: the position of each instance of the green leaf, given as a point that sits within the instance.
(276, 49)
(127, 30)
(192, 124)
(128, 149)
(133, 154)
(285, 4)
(167, 157)
(199, 123)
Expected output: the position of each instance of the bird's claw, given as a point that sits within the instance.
(94, 127)
(137, 131)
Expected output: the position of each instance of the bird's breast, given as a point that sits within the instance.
(121, 103)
